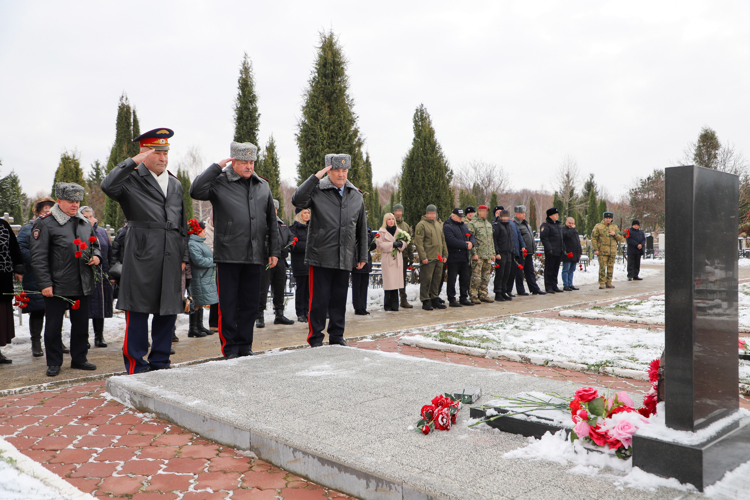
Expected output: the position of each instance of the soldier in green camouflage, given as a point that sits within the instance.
(604, 239)
(482, 256)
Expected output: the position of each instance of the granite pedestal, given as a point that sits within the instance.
(341, 416)
(701, 324)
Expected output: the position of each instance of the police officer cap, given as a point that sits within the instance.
(636, 222)
(458, 211)
(338, 161)
(609, 215)
(155, 139)
(69, 191)
(520, 209)
(499, 207)
(243, 151)
(398, 206)
(276, 204)
(552, 211)
(431, 208)
(470, 210)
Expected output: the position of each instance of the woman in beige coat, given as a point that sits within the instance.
(392, 267)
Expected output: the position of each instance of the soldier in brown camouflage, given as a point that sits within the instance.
(604, 239)
(482, 256)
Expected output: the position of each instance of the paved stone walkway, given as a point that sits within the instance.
(107, 449)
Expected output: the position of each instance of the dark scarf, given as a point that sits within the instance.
(391, 229)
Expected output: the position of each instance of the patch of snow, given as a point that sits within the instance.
(323, 370)
(658, 428)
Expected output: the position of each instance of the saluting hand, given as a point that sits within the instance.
(323, 172)
(223, 163)
(138, 159)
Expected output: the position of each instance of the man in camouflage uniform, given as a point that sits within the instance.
(604, 239)
(482, 256)
(408, 253)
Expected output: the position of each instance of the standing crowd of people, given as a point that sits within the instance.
(160, 264)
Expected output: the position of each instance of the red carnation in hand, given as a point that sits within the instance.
(525, 253)
(497, 265)
(520, 267)
(92, 239)
(78, 254)
(439, 257)
(570, 255)
(77, 241)
(538, 255)
(84, 246)
(468, 235)
(22, 306)
(296, 239)
(76, 304)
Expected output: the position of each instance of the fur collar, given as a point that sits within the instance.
(325, 183)
(61, 217)
(233, 176)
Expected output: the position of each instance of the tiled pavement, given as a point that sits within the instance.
(107, 449)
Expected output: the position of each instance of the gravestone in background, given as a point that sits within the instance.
(701, 366)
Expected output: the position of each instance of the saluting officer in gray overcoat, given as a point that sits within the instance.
(155, 249)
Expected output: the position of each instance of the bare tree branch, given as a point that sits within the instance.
(482, 179)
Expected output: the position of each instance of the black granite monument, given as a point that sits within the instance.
(701, 326)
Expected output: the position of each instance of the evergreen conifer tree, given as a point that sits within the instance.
(592, 212)
(133, 147)
(494, 202)
(122, 149)
(94, 186)
(328, 124)
(12, 197)
(559, 205)
(707, 149)
(532, 215)
(268, 167)
(246, 114)
(184, 179)
(389, 207)
(425, 174)
(466, 198)
(375, 211)
(602, 209)
(69, 170)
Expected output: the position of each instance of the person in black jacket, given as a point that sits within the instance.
(636, 240)
(35, 306)
(63, 250)
(11, 270)
(503, 235)
(276, 277)
(550, 234)
(299, 268)
(570, 260)
(243, 214)
(361, 279)
(336, 238)
(459, 241)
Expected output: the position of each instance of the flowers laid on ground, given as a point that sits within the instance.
(402, 235)
(600, 420)
(651, 397)
(440, 415)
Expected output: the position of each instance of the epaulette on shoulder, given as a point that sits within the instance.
(359, 190)
(256, 173)
(45, 215)
(170, 173)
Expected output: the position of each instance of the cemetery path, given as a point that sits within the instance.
(28, 371)
(105, 448)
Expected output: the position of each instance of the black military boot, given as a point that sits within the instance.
(427, 305)
(99, 333)
(281, 319)
(499, 297)
(35, 327)
(261, 321)
(193, 328)
(199, 322)
(437, 304)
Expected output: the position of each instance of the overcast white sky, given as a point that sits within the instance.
(620, 86)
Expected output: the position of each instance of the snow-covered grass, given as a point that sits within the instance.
(651, 310)
(591, 274)
(564, 341)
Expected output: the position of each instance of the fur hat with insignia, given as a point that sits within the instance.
(243, 151)
(338, 161)
(520, 209)
(552, 211)
(470, 210)
(68, 191)
(608, 215)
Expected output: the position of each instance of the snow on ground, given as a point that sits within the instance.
(23, 479)
(591, 274)
(565, 341)
(652, 310)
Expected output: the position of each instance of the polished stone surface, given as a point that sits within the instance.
(701, 275)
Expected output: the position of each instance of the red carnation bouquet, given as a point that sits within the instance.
(440, 415)
(22, 299)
